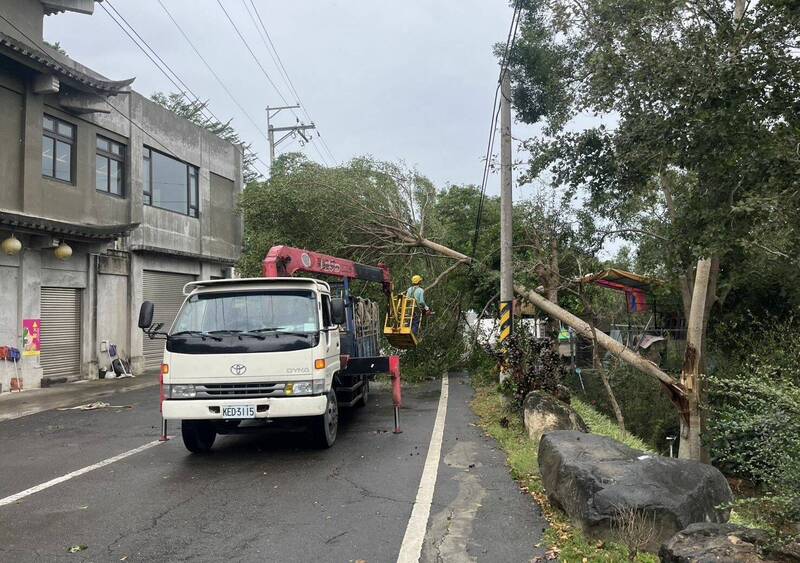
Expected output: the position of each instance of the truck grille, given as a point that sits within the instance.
(239, 390)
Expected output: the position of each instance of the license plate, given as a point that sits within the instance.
(239, 411)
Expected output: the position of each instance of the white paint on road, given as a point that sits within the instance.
(411, 547)
(78, 473)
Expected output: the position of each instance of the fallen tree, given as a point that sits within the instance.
(686, 402)
(393, 224)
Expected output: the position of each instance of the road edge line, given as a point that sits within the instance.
(411, 548)
(77, 473)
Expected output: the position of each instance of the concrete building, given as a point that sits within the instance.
(144, 200)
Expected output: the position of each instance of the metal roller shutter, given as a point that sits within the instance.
(165, 290)
(60, 333)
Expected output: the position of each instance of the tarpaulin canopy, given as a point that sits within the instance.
(632, 285)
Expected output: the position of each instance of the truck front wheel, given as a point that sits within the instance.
(325, 426)
(198, 435)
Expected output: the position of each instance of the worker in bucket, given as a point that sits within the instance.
(418, 294)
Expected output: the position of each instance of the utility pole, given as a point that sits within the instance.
(292, 130)
(506, 207)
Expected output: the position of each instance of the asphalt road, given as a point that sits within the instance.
(259, 497)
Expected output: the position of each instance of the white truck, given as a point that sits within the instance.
(277, 349)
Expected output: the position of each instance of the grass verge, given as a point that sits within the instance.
(562, 540)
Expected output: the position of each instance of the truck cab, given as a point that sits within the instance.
(254, 350)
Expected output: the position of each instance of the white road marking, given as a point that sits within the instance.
(411, 548)
(79, 472)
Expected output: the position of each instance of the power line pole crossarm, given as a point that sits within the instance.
(506, 207)
(297, 129)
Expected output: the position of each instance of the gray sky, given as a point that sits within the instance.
(410, 80)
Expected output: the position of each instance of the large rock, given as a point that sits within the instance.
(544, 413)
(708, 542)
(602, 484)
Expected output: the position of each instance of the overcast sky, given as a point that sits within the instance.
(410, 80)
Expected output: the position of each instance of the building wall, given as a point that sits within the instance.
(27, 15)
(12, 89)
(110, 285)
(112, 306)
(215, 234)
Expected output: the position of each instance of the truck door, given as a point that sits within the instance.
(331, 335)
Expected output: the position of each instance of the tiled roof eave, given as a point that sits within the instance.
(10, 220)
(32, 54)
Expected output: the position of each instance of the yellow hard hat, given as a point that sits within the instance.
(415, 279)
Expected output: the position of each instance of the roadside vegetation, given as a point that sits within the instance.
(562, 540)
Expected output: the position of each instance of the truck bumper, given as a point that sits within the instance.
(272, 407)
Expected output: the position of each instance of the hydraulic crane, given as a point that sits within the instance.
(360, 354)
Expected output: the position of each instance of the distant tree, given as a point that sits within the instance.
(193, 111)
(55, 47)
(350, 211)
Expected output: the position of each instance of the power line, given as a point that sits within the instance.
(263, 70)
(252, 54)
(210, 69)
(202, 106)
(512, 34)
(180, 84)
(112, 106)
(286, 73)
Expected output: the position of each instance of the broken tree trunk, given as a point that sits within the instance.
(692, 421)
(676, 391)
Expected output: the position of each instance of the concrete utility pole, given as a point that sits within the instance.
(506, 265)
(297, 129)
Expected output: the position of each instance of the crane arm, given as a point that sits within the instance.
(284, 261)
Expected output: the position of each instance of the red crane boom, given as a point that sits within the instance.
(283, 261)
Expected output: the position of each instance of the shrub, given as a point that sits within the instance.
(754, 418)
(533, 365)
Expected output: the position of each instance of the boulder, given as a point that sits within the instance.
(708, 542)
(609, 489)
(544, 413)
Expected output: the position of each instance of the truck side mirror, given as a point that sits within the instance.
(337, 311)
(146, 315)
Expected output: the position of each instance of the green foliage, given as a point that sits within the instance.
(533, 365)
(754, 416)
(341, 211)
(193, 111)
(55, 47)
(601, 424)
(648, 412)
(778, 514)
(701, 159)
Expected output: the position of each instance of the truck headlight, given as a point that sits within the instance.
(182, 392)
(298, 388)
(319, 386)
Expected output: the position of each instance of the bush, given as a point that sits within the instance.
(533, 365)
(648, 411)
(754, 418)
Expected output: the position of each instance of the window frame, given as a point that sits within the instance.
(55, 136)
(109, 155)
(192, 209)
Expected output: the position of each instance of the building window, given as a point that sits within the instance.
(169, 183)
(58, 140)
(109, 166)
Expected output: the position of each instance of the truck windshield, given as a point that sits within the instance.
(257, 312)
